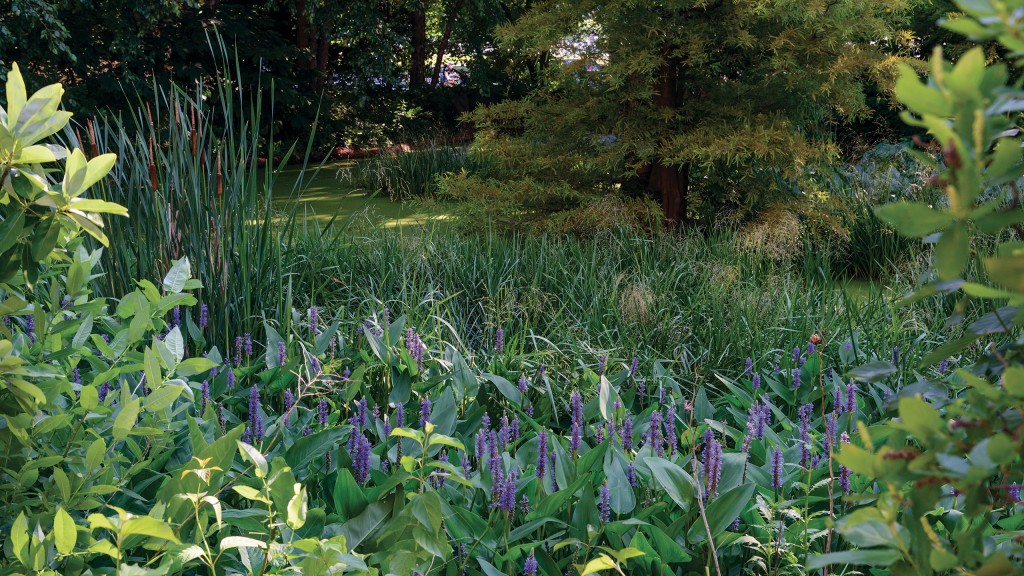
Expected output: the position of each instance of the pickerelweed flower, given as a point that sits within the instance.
(231, 378)
(542, 453)
(599, 433)
(851, 398)
(796, 356)
(314, 321)
(322, 412)
(282, 354)
(400, 416)
(529, 410)
(634, 365)
(255, 418)
(30, 328)
(712, 467)
(494, 454)
(437, 478)
(811, 348)
(831, 429)
(755, 382)
(415, 347)
(248, 345)
(346, 374)
(805, 439)
(76, 376)
(748, 365)
(289, 400)
(103, 391)
(796, 378)
(204, 396)
(481, 445)
(424, 411)
(514, 428)
(654, 434)
(523, 384)
(844, 472)
(641, 387)
(504, 432)
(631, 474)
(387, 317)
(777, 463)
(1014, 492)
(524, 504)
(605, 503)
(238, 350)
(361, 459)
(602, 363)
(576, 413)
(499, 340)
(838, 403)
(764, 421)
(467, 467)
(943, 366)
(661, 396)
(670, 428)
(176, 316)
(530, 566)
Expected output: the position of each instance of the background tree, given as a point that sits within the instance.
(682, 99)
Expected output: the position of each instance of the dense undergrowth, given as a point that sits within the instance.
(319, 401)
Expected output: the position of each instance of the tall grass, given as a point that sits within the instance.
(403, 175)
(188, 170)
(697, 300)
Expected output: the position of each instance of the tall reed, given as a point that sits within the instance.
(191, 172)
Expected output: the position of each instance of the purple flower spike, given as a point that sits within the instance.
(831, 428)
(542, 453)
(103, 391)
(796, 356)
(576, 411)
(1014, 492)
(314, 321)
(605, 504)
(30, 328)
(282, 354)
(361, 459)
(654, 434)
(231, 377)
(796, 378)
(322, 412)
(523, 384)
(748, 365)
(634, 366)
(255, 418)
(424, 411)
(530, 566)
(631, 475)
(176, 316)
(204, 316)
(238, 350)
(289, 401)
(805, 438)
(851, 398)
(248, 345)
(602, 363)
(712, 467)
(943, 365)
(499, 341)
(844, 472)
(777, 462)
(204, 396)
(400, 416)
(756, 382)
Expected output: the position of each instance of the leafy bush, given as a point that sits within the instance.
(949, 468)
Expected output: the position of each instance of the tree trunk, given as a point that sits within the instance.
(419, 45)
(671, 182)
(443, 44)
(323, 54)
(303, 35)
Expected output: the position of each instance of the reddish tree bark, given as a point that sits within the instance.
(442, 45)
(419, 44)
(671, 182)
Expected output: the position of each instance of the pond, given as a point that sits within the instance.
(329, 193)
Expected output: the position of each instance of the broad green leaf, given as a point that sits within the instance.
(148, 526)
(867, 557)
(177, 276)
(914, 219)
(65, 535)
(674, 480)
(241, 542)
(952, 252)
(253, 456)
(721, 511)
(126, 418)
